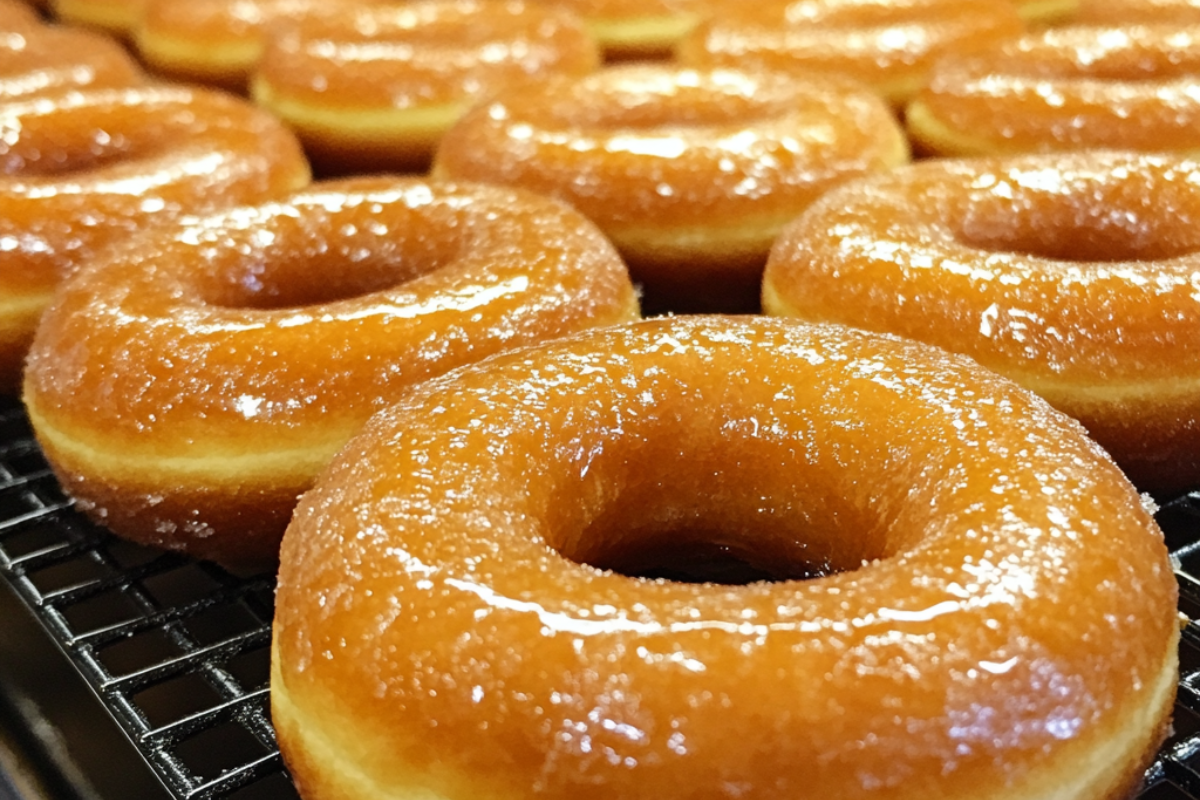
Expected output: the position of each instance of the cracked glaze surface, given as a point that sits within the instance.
(430, 598)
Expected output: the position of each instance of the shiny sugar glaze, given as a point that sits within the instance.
(84, 170)
(218, 42)
(16, 16)
(1074, 274)
(1129, 87)
(228, 357)
(118, 17)
(376, 88)
(44, 60)
(889, 45)
(1005, 604)
(1129, 12)
(690, 172)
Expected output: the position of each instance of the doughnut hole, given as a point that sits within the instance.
(698, 523)
(340, 262)
(690, 527)
(717, 501)
(1078, 220)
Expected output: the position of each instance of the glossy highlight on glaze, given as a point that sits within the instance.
(1130, 87)
(189, 386)
(691, 173)
(82, 170)
(1076, 275)
(889, 45)
(44, 60)
(1137, 12)
(439, 632)
(219, 42)
(375, 88)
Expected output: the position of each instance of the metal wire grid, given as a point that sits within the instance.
(177, 650)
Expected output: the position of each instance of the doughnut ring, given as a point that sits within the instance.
(228, 357)
(691, 173)
(218, 42)
(1072, 88)
(449, 623)
(46, 59)
(118, 17)
(1075, 275)
(889, 46)
(375, 88)
(83, 170)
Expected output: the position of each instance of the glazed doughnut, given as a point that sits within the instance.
(217, 42)
(230, 356)
(1138, 12)
(449, 624)
(889, 45)
(629, 29)
(375, 89)
(691, 173)
(118, 17)
(46, 59)
(1070, 88)
(16, 16)
(84, 170)
(1075, 275)
(1048, 12)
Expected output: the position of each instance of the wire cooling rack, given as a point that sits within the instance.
(177, 652)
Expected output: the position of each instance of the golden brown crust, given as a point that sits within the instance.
(219, 42)
(1078, 87)
(228, 357)
(374, 89)
(437, 636)
(1067, 274)
(854, 38)
(691, 173)
(118, 17)
(16, 16)
(45, 59)
(86, 169)
(1137, 12)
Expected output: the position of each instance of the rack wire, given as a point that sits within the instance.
(177, 651)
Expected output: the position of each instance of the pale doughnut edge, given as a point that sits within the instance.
(177, 502)
(642, 37)
(1108, 767)
(224, 64)
(396, 138)
(930, 135)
